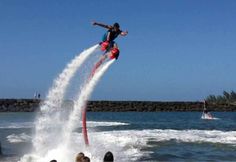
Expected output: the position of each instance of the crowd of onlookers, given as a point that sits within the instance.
(80, 157)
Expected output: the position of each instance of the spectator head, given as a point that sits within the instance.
(108, 157)
(79, 157)
(85, 159)
(53, 161)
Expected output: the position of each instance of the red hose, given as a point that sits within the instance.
(84, 128)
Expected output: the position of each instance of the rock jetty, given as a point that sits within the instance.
(30, 105)
(0, 149)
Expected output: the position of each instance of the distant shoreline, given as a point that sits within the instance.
(31, 105)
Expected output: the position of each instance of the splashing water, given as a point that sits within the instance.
(53, 135)
(67, 150)
(85, 93)
(56, 93)
(44, 126)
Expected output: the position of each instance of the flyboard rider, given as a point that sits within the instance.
(108, 44)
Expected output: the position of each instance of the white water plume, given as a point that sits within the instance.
(65, 150)
(82, 99)
(48, 124)
(56, 93)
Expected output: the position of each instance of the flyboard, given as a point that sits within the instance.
(111, 53)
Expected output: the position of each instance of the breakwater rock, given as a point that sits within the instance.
(152, 106)
(0, 149)
(30, 105)
(19, 105)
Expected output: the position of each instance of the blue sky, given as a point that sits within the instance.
(176, 50)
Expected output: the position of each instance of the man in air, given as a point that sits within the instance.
(108, 44)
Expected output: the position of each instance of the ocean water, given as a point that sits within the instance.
(135, 136)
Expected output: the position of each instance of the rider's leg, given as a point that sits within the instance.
(114, 51)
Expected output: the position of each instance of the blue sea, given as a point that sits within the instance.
(137, 136)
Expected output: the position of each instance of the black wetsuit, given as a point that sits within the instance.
(112, 36)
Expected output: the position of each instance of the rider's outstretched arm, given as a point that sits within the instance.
(102, 25)
(124, 33)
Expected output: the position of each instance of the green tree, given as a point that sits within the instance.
(233, 96)
(227, 95)
(211, 99)
(221, 99)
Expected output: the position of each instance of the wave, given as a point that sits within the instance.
(14, 138)
(211, 136)
(16, 125)
(128, 145)
(91, 124)
(98, 124)
(158, 135)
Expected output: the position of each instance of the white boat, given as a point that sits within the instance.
(207, 116)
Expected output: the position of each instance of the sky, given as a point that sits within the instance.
(176, 50)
